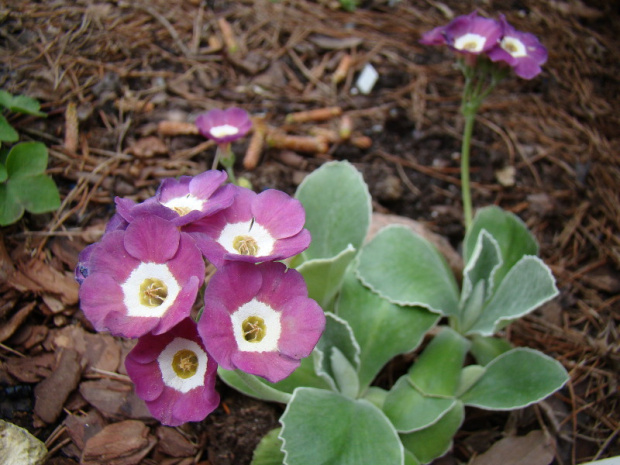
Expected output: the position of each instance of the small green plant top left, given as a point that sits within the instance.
(23, 182)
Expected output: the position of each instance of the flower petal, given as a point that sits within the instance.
(152, 239)
(303, 322)
(273, 366)
(281, 214)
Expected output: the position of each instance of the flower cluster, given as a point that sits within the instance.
(473, 36)
(141, 280)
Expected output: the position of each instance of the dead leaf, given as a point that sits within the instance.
(506, 176)
(123, 443)
(52, 280)
(148, 147)
(100, 351)
(9, 327)
(83, 427)
(31, 369)
(537, 448)
(52, 392)
(174, 444)
(114, 399)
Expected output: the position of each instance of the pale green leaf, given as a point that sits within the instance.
(410, 410)
(528, 285)
(337, 334)
(446, 350)
(324, 276)
(485, 348)
(433, 442)
(382, 329)
(338, 209)
(327, 428)
(512, 235)
(407, 269)
(345, 375)
(516, 379)
(483, 263)
(268, 450)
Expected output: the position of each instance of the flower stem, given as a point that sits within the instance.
(263, 391)
(225, 156)
(470, 117)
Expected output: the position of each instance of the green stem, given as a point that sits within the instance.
(470, 117)
(262, 391)
(225, 157)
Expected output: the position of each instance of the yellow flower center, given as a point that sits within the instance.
(254, 329)
(185, 363)
(245, 245)
(153, 292)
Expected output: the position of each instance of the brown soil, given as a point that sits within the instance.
(108, 73)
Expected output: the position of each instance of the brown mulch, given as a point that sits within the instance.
(120, 81)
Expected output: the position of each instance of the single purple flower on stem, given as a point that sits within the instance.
(174, 375)
(142, 279)
(521, 50)
(255, 228)
(194, 197)
(471, 34)
(259, 319)
(224, 126)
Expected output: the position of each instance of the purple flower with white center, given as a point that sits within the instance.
(255, 228)
(141, 279)
(224, 126)
(194, 197)
(521, 50)
(471, 34)
(436, 36)
(174, 375)
(259, 319)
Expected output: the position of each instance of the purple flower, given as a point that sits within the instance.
(223, 126)
(469, 34)
(259, 319)
(255, 228)
(192, 198)
(174, 375)
(521, 50)
(82, 269)
(140, 279)
(436, 36)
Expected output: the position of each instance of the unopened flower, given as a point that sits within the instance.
(174, 375)
(224, 126)
(259, 319)
(255, 228)
(469, 34)
(140, 279)
(194, 197)
(521, 50)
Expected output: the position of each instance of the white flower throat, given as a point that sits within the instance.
(247, 238)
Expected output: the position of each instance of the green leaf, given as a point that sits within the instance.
(516, 379)
(11, 209)
(26, 105)
(528, 285)
(485, 349)
(382, 329)
(327, 428)
(512, 235)
(447, 350)
(37, 194)
(7, 132)
(3, 174)
(484, 262)
(338, 209)
(469, 376)
(26, 159)
(265, 391)
(432, 442)
(345, 374)
(337, 335)
(410, 410)
(302, 376)
(268, 451)
(5, 99)
(324, 276)
(408, 270)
